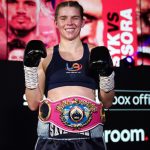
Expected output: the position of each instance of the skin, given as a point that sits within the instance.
(143, 28)
(26, 21)
(92, 31)
(22, 14)
(69, 24)
(140, 22)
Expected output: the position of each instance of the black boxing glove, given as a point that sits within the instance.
(101, 64)
(34, 51)
(100, 61)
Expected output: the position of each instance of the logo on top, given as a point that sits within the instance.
(74, 67)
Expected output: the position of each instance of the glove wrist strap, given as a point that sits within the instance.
(31, 77)
(107, 82)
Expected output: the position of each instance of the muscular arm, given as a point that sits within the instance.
(34, 96)
(104, 67)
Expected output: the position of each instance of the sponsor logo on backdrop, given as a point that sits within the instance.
(120, 34)
(125, 135)
(131, 100)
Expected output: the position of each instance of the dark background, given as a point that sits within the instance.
(18, 124)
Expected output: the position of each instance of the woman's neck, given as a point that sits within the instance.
(70, 45)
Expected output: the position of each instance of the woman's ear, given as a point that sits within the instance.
(55, 21)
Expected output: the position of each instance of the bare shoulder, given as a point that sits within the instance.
(45, 61)
(49, 51)
(91, 47)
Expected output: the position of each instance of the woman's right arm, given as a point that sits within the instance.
(34, 96)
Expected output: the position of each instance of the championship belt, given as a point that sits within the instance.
(72, 114)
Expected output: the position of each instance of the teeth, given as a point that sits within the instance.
(69, 30)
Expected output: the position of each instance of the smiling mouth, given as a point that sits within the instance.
(69, 30)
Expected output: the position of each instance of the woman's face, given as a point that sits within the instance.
(69, 22)
(92, 32)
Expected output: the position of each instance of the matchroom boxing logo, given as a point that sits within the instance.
(126, 135)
